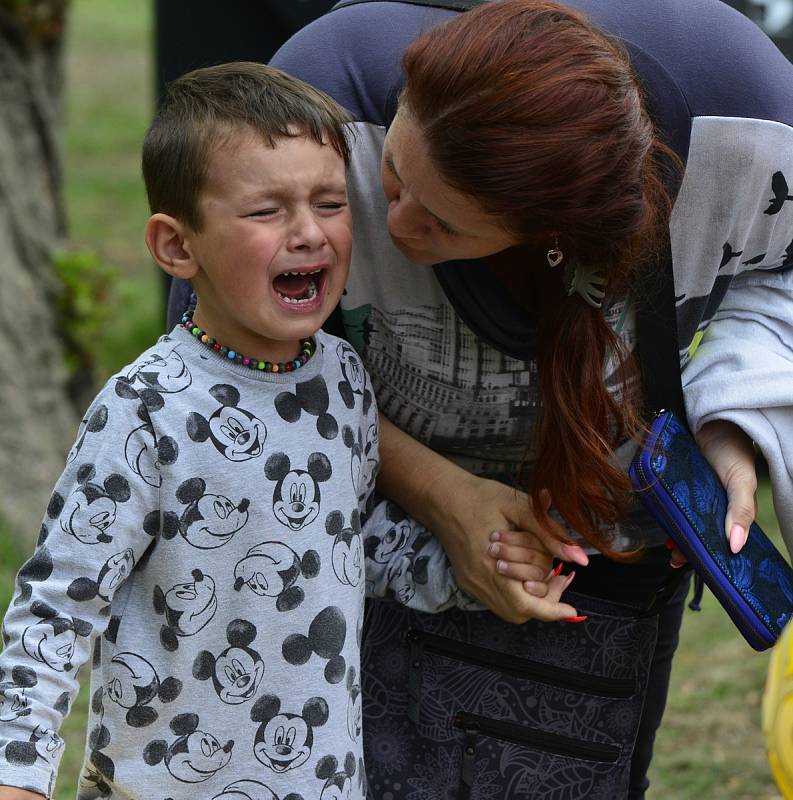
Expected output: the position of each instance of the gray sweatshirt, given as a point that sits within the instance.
(203, 549)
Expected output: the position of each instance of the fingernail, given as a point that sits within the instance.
(669, 545)
(501, 566)
(737, 538)
(493, 549)
(677, 564)
(559, 568)
(576, 554)
(495, 536)
(574, 619)
(569, 580)
(533, 587)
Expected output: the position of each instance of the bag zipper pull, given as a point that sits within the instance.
(414, 676)
(469, 757)
(699, 590)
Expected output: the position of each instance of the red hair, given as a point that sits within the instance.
(536, 114)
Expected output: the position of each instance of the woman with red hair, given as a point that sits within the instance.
(541, 166)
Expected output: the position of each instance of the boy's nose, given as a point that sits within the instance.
(306, 233)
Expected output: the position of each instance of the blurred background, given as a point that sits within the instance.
(79, 297)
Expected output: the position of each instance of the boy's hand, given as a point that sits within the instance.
(12, 793)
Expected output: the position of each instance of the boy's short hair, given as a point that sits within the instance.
(204, 109)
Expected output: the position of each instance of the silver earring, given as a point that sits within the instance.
(554, 256)
(588, 282)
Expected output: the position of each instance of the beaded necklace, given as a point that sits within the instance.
(307, 349)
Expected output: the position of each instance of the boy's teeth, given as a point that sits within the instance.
(312, 293)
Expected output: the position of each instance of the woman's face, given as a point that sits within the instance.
(428, 220)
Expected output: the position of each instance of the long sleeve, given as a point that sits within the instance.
(100, 521)
(742, 371)
(406, 563)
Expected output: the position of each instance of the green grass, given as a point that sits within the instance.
(710, 744)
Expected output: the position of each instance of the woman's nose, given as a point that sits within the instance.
(406, 219)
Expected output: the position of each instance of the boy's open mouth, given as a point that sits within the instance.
(297, 288)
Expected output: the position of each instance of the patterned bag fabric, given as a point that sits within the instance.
(463, 705)
(684, 494)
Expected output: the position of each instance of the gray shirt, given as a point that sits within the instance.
(203, 549)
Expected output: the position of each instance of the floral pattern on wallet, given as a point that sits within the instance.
(681, 490)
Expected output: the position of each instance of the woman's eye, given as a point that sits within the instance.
(445, 229)
(390, 166)
(331, 206)
(264, 212)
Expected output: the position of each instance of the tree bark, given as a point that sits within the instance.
(37, 418)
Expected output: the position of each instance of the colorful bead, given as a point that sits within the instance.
(307, 349)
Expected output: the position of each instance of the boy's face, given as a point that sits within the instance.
(274, 249)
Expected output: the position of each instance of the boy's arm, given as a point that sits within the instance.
(406, 563)
(101, 519)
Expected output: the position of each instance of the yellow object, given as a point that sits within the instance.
(778, 712)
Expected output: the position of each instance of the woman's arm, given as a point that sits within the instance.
(463, 510)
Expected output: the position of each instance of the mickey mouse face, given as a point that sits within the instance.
(90, 509)
(51, 643)
(13, 704)
(392, 542)
(250, 790)
(187, 607)
(145, 454)
(115, 571)
(236, 433)
(210, 520)
(338, 785)
(47, 742)
(347, 556)
(283, 740)
(92, 424)
(167, 374)
(194, 757)
(197, 757)
(299, 504)
(351, 367)
(284, 743)
(133, 680)
(267, 569)
(238, 670)
(296, 499)
(239, 674)
(354, 706)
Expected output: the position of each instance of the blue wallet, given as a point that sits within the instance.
(683, 493)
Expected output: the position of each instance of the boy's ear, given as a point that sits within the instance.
(165, 237)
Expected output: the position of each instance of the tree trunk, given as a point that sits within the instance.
(38, 419)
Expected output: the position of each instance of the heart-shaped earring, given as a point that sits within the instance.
(554, 256)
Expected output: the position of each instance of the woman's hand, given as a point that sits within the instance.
(463, 511)
(731, 454)
(502, 556)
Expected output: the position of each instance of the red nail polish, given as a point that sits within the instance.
(669, 545)
(574, 619)
(559, 568)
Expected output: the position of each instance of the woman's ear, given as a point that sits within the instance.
(165, 237)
